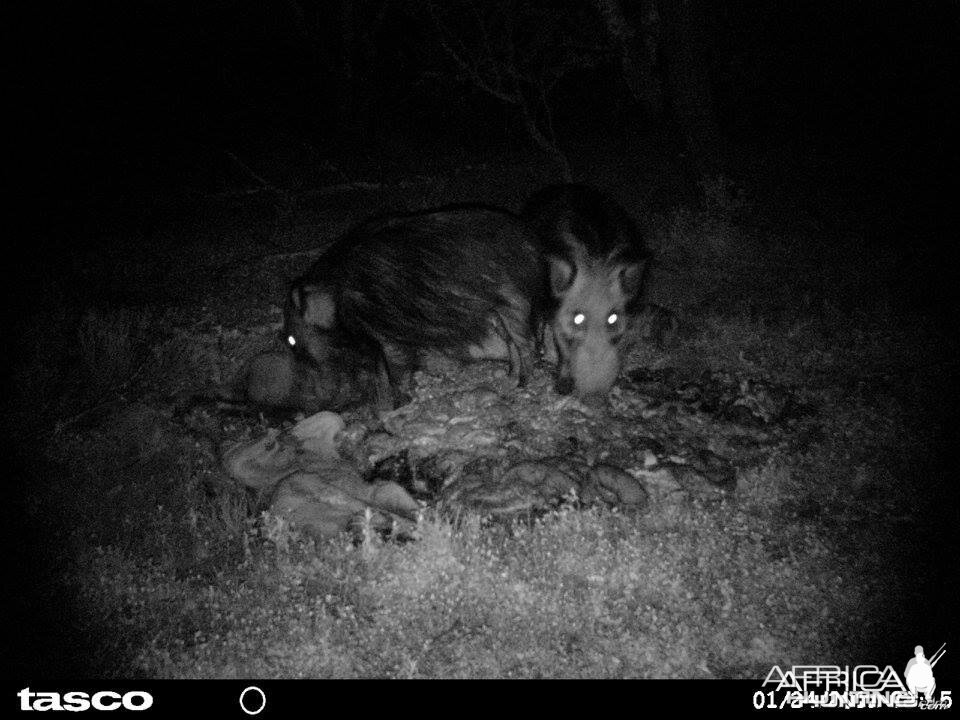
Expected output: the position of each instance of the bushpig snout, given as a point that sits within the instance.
(589, 366)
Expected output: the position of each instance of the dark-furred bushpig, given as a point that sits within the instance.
(465, 281)
(594, 261)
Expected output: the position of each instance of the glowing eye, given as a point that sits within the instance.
(579, 318)
(291, 340)
(613, 319)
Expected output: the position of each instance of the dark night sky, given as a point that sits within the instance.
(140, 90)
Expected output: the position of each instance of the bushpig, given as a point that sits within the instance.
(466, 281)
(594, 262)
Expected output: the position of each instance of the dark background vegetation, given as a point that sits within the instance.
(125, 116)
(121, 106)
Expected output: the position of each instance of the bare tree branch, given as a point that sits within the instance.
(518, 52)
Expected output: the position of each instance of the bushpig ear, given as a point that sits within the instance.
(568, 236)
(295, 298)
(318, 307)
(631, 278)
(561, 275)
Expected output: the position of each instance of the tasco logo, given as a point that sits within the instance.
(81, 701)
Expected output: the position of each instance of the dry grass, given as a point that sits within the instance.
(170, 578)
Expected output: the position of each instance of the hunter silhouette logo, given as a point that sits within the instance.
(919, 672)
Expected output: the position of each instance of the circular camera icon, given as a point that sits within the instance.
(253, 700)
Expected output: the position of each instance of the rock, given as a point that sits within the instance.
(261, 463)
(326, 504)
(540, 485)
(617, 487)
(716, 470)
(310, 485)
(662, 479)
(317, 432)
(525, 487)
(700, 478)
(546, 479)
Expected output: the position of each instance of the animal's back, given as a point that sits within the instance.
(433, 280)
